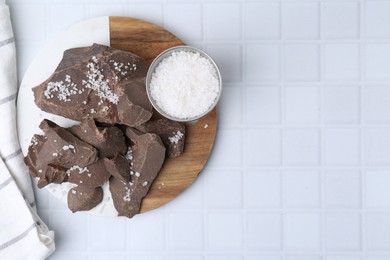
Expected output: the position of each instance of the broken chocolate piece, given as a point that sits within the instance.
(97, 82)
(82, 198)
(148, 153)
(62, 148)
(52, 174)
(108, 140)
(51, 155)
(93, 175)
(35, 147)
(118, 167)
(172, 134)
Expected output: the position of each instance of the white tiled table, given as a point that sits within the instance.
(301, 166)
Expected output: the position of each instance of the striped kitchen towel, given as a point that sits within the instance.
(23, 235)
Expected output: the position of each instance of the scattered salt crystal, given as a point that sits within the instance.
(129, 154)
(185, 84)
(127, 195)
(206, 125)
(137, 174)
(144, 184)
(76, 167)
(99, 84)
(40, 171)
(176, 138)
(34, 141)
(73, 191)
(69, 147)
(64, 90)
(81, 181)
(55, 154)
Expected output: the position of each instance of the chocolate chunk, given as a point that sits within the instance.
(83, 198)
(108, 140)
(51, 155)
(126, 200)
(93, 175)
(35, 147)
(148, 153)
(52, 174)
(172, 134)
(118, 167)
(62, 148)
(97, 82)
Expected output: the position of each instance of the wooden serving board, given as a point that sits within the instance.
(148, 40)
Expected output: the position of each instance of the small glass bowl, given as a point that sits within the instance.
(166, 54)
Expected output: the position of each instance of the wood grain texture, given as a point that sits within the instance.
(148, 40)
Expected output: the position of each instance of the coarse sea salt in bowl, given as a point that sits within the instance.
(183, 83)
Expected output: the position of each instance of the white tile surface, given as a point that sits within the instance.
(341, 105)
(263, 105)
(301, 146)
(302, 105)
(264, 231)
(300, 167)
(181, 18)
(185, 231)
(342, 189)
(263, 147)
(263, 189)
(342, 146)
(376, 104)
(377, 187)
(377, 20)
(340, 20)
(261, 63)
(343, 231)
(301, 231)
(301, 189)
(229, 65)
(301, 62)
(224, 231)
(300, 20)
(341, 62)
(262, 20)
(224, 189)
(378, 231)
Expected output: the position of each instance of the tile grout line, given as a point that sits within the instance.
(362, 172)
(282, 203)
(322, 172)
(244, 172)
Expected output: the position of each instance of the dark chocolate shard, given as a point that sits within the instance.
(35, 147)
(172, 134)
(82, 198)
(126, 201)
(118, 167)
(77, 55)
(93, 175)
(97, 82)
(51, 155)
(108, 140)
(52, 174)
(148, 153)
(62, 148)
